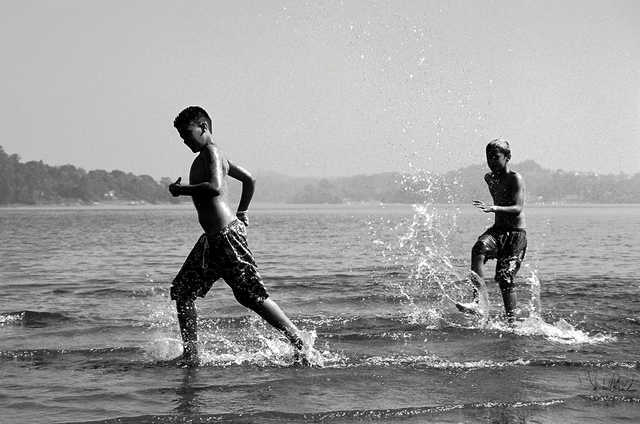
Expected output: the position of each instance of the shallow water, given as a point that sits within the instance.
(86, 321)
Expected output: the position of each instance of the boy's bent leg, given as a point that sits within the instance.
(477, 265)
(509, 299)
(506, 270)
(480, 302)
(271, 312)
(485, 248)
(188, 320)
(241, 274)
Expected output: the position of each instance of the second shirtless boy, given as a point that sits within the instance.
(506, 240)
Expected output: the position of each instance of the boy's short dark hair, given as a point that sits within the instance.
(192, 114)
(501, 145)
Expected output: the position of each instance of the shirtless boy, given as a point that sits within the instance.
(222, 251)
(506, 240)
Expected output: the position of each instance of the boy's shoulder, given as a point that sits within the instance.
(211, 151)
(515, 177)
(511, 176)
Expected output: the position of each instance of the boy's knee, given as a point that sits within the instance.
(479, 248)
(185, 304)
(506, 274)
(247, 300)
(506, 282)
(244, 301)
(181, 295)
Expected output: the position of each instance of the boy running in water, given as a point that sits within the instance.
(506, 240)
(222, 251)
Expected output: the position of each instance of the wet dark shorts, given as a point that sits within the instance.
(223, 255)
(508, 247)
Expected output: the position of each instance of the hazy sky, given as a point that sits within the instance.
(322, 88)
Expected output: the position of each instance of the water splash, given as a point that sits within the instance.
(252, 343)
(532, 323)
(163, 348)
(257, 344)
(434, 279)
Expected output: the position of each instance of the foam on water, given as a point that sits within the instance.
(27, 318)
(163, 348)
(251, 344)
(433, 361)
(533, 325)
(255, 344)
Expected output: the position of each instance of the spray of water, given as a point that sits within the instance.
(532, 323)
(225, 342)
(433, 279)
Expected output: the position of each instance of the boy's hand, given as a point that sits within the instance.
(242, 216)
(483, 206)
(174, 188)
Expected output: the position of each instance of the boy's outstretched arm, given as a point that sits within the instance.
(248, 188)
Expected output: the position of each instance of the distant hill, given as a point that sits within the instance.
(37, 183)
(459, 186)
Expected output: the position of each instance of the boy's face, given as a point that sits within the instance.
(496, 160)
(192, 136)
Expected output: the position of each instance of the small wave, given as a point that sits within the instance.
(585, 364)
(633, 320)
(44, 354)
(612, 398)
(428, 410)
(433, 362)
(560, 331)
(126, 293)
(32, 318)
(353, 415)
(359, 323)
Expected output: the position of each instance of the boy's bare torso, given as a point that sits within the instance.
(504, 189)
(213, 211)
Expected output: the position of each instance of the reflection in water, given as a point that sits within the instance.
(188, 401)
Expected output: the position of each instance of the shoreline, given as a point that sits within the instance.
(132, 205)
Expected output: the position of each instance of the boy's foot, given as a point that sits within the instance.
(480, 305)
(471, 308)
(299, 353)
(300, 358)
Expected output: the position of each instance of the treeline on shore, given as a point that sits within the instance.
(35, 182)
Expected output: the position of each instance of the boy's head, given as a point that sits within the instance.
(498, 154)
(194, 126)
(192, 115)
